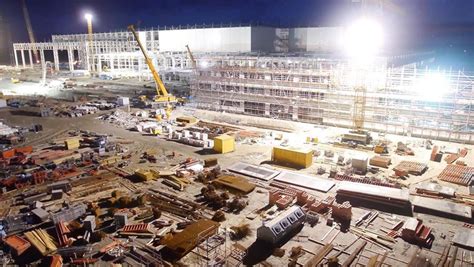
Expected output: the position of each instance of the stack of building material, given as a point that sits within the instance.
(69, 214)
(342, 211)
(382, 195)
(235, 183)
(140, 228)
(42, 241)
(306, 181)
(442, 207)
(411, 167)
(457, 174)
(61, 231)
(464, 238)
(17, 243)
(183, 242)
(435, 154)
(72, 143)
(365, 180)
(380, 161)
(435, 189)
(414, 231)
(451, 158)
(254, 171)
(299, 158)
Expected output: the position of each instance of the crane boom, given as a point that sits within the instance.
(193, 60)
(160, 87)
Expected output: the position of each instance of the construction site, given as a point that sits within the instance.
(233, 145)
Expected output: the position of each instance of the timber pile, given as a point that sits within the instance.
(42, 241)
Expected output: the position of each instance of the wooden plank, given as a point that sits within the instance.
(319, 256)
(354, 254)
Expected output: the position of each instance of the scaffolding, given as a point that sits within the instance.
(322, 91)
(212, 251)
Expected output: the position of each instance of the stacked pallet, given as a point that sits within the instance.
(411, 167)
(380, 161)
(457, 174)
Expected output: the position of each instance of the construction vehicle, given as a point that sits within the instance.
(163, 99)
(15, 80)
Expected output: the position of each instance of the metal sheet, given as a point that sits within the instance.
(254, 171)
(443, 206)
(306, 181)
(374, 190)
(465, 238)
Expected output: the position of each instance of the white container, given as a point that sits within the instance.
(204, 137)
(123, 101)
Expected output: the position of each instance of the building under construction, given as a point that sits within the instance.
(297, 74)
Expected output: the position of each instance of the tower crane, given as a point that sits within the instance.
(162, 98)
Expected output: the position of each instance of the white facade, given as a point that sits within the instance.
(227, 40)
(320, 39)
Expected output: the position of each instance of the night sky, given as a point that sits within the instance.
(440, 22)
(66, 16)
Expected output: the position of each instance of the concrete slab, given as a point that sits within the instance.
(305, 181)
(253, 171)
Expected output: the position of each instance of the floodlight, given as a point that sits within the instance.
(88, 16)
(363, 39)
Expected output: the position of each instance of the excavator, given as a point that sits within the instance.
(163, 99)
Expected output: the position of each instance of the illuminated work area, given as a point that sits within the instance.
(328, 133)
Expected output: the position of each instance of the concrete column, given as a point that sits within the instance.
(99, 64)
(16, 57)
(70, 59)
(111, 63)
(294, 116)
(31, 57)
(88, 57)
(42, 60)
(56, 59)
(23, 61)
(267, 109)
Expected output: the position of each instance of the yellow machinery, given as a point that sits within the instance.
(163, 98)
(15, 80)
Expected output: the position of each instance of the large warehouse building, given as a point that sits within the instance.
(297, 74)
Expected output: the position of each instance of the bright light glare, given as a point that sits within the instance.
(432, 87)
(204, 64)
(364, 39)
(88, 16)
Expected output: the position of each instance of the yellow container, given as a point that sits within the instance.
(302, 158)
(72, 143)
(224, 144)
